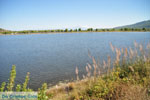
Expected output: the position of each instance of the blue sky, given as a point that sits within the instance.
(56, 14)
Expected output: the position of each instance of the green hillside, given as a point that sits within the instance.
(143, 24)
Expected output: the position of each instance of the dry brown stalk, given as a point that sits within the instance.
(104, 64)
(148, 46)
(131, 68)
(108, 63)
(141, 48)
(87, 70)
(122, 50)
(112, 47)
(135, 44)
(89, 54)
(126, 53)
(118, 54)
(90, 67)
(76, 71)
(94, 66)
(135, 52)
(99, 71)
(83, 76)
(131, 53)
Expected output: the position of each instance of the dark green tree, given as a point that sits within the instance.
(144, 29)
(66, 30)
(125, 29)
(108, 30)
(58, 30)
(71, 30)
(52, 30)
(103, 30)
(132, 29)
(62, 30)
(75, 30)
(121, 29)
(79, 29)
(96, 30)
(90, 29)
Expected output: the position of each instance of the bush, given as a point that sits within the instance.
(22, 88)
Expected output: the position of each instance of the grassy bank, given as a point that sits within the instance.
(127, 77)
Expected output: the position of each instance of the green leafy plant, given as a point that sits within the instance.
(11, 83)
(42, 92)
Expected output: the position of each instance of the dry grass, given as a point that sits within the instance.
(129, 92)
(128, 79)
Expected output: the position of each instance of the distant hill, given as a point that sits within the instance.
(143, 24)
(3, 30)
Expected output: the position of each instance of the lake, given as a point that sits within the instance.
(53, 57)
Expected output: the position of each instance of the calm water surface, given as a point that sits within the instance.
(53, 57)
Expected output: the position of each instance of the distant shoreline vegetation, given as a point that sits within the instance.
(75, 30)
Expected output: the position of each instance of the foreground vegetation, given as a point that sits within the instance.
(127, 77)
(76, 30)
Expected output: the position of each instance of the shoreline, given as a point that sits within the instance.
(68, 32)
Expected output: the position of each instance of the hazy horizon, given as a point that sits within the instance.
(61, 14)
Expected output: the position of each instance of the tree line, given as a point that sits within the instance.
(76, 30)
